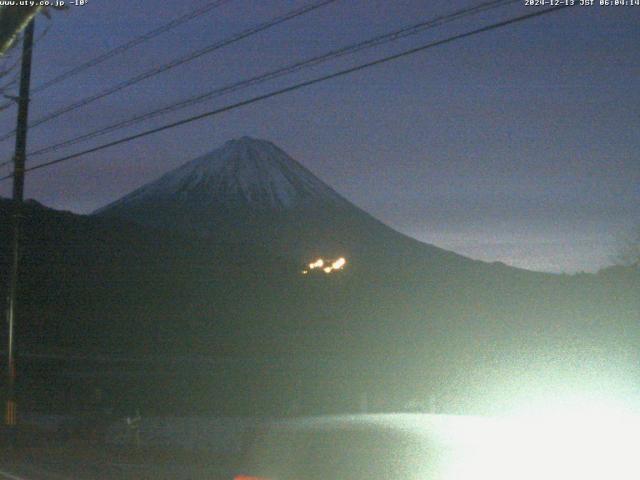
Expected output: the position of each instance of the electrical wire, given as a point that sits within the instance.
(198, 12)
(124, 47)
(120, 49)
(279, 72)
(16, 75)
(175, 63)
(297, 86)
(14, 80)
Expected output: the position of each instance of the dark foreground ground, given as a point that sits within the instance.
(38, 456)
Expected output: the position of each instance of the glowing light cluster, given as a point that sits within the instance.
(317, 264)
(325, 265)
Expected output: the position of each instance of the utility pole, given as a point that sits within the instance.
(18, 197)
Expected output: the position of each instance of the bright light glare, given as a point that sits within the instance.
(585, 442)
(317, 264)
(320, 263)
(337, 265)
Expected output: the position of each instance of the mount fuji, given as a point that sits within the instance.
(210, 260)
(251, 191)
(243, 173)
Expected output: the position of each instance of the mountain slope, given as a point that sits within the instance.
(101, 284)
(242, 173)
(207, 261)
(245, 181)
(401, 317)
(250, 191)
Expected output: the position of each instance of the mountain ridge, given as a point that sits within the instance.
(251, 191)
(242, 172)
(92, 285)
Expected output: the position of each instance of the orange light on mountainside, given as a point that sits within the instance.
(325, 265)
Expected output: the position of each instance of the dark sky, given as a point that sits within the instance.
(520, 144)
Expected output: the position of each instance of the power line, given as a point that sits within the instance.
(14, 79)
(120, 49)
(281, 71)
(295, 87)
(30, 46)
(136, 41)
(177, 62)
(198, 12)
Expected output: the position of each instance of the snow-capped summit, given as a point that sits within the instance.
(244, 172)
(250, 194)
(246, 188)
